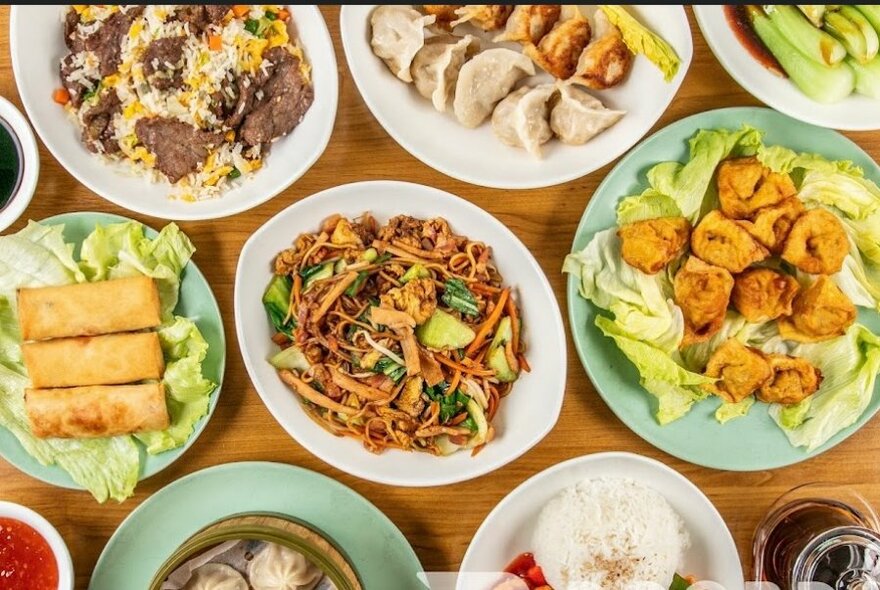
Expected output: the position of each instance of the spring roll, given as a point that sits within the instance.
(89, 309)
(96, 411)
(94, 360)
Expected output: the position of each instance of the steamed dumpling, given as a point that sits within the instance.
(485, 80)
(521, 119)
(398, 34)
(606, 60)
(489, 17)
(529, 23)
(559, 50)
(276, 567)
(578, 116)
(435, 67)
(216, 576)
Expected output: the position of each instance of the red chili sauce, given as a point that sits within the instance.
(26, 560)
(742, 28)
(525, 568)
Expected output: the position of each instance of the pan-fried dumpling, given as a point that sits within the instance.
(558, 51)
(445, 14)
(489, 17)
(529, 23)
(276, 567)
(398, 34)
(435, 67)
(216, 576)
(485, 80)
(578, 116)
(607, 60)
(521, 119)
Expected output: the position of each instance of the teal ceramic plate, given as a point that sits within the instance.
(747, 444)
(196, 302)
(376, 548)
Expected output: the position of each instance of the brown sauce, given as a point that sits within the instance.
(738, 20)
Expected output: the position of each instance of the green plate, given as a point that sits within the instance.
(196, 302)
(746, 444)
(376, 548)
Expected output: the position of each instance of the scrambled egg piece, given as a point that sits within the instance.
(771, 225)
(761, 294)
(417, 298)
(652, 244)
(723, 242)
(740, 370)
(702, 291)
(820, 312)
(794, 379)
(817, 243)
(745, 185)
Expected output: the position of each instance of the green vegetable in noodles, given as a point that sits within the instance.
(457, 296)
(444, 331)
(800, 32)
(867, 76)
(821, 83)
(316, 272)
(388, 367)
(358, 283)
(276, 300)
(416, 271)
(291, 357)
(851, 28)
(370, 255)
(451, 404)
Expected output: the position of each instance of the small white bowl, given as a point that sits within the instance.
(29, 164)
(507, 530)
(524, 417)
(48, 532)
(37, 45)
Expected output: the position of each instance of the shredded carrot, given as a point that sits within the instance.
(239, 10)
(484, 289)
(297, 289)
(61, 96)
(456, 379)
(514, 324)
(464, 369)
(489, 325)
(215, 42)
(523, 363)
(284, 15)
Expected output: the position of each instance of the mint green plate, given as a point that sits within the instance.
(196, 302)
(746, 444)
(375, 547)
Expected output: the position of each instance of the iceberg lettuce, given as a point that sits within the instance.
(640, 40)
(728, 411)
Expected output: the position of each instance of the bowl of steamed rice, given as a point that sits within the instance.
(609, 521)
(178, 111)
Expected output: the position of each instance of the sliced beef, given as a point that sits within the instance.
(200, 16)
(98, 127)
(76, 89)
(179, 147)
(245, 90)
(106, 42)
(72, 37)
(163, 62)
(285, 98)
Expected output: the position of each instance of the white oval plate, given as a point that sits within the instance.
(476, 155)
(37, 45)
(854, 113)
(525, 416)
(507, 531)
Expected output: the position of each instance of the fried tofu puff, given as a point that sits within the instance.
(794, 379)
(444, 13)
(652, 244)
(559, 50)
(820, 312)
(745, 185)
(771, 225)
(817, 243)
(721, 241)
(702, 291)
(740, 371)
(762, 294)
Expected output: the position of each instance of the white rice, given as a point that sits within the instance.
(609, 534)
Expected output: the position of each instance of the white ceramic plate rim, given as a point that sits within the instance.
(323, 444)
(30, 165)
(349, 35)
(152, 198)
(853, 113)
(49, 533)
(485, 534)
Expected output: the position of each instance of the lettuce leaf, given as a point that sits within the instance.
(37, 256)
(649, 205)
(728, 411)
(642, 41)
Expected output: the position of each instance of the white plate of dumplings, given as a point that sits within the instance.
(478, 110)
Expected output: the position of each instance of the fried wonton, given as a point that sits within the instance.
(444, 13)
(740, 370)
(745, 185)
(606, 61)
(820, 312)
(529, 23)
(489, 17)
(559, 50)
(721, 241)
(762, 294)
(817, 243)
(652, 244)
(770, 225)
(702, 291)
(794, 379)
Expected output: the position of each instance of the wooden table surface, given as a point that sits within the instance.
(544, 219)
